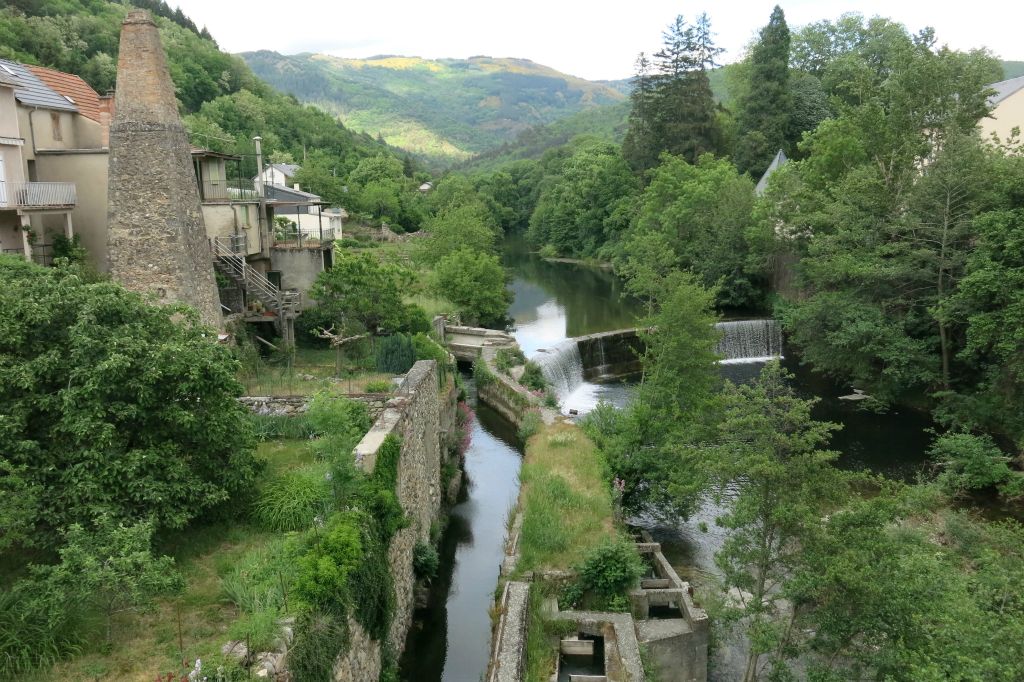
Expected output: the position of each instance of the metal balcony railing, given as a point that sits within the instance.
(312, 237)
(37, 195)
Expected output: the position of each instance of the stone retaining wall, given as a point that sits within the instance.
(422, 414)
(287, 406)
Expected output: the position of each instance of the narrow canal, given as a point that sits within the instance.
(554, 302)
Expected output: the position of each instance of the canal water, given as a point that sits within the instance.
(553, 302)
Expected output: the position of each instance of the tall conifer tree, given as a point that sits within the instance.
(766, 111)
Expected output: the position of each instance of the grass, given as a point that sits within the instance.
(567, 504)
(197, 622)
(542, 636)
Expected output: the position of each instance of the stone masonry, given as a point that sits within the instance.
(156, 240)
(422, 415)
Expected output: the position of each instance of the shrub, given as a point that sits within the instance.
(340, 422)
(395, 354)
(425, 561)
(482, 374)
(530, 425)
(294, 499)
(379, 386)
(533, 377)
(319, 636)
(507, 358)
(259, 629)
(610, 569)
(548, 251)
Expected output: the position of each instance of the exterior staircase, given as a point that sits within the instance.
(229, 260)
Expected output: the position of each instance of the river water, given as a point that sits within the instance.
(553, 302)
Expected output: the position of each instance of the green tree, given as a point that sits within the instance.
(766, 110)
(475, 283)
(110, 566)
(972, 463)
(104, 396)
(576, 210)
(360, 288)
(703, 212)
(465, 226)
(780, 484)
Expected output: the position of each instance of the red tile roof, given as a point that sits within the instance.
(73, 87)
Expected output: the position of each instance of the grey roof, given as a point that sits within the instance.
(283, 193)
(32, 92)
(288, 169)
(779, 161)
(1004, 89)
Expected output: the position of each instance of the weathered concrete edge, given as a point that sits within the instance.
(509, 645)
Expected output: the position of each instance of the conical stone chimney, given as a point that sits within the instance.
(156, 239)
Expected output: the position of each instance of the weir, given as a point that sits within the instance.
(612, 356)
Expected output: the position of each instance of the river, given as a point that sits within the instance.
(555, 301)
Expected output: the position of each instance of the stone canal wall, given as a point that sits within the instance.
(422, 414)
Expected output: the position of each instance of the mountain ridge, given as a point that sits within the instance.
(446, 110)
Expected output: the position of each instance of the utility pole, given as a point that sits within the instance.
(265, 244)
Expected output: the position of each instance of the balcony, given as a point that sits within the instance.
(303, 238)
(37, 195)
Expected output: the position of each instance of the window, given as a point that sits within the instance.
(58, 135)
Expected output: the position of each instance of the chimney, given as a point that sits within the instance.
(106, 115)
(296, 187)
(156, 241)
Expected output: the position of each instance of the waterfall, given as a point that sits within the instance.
(562, 366)
(750, 341)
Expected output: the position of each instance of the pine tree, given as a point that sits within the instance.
(677, 108)
(640, 146)
(766, 111)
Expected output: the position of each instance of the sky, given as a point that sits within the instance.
(593, 39)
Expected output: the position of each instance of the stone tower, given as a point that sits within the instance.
(156, 240)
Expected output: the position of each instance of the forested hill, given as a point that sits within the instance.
(445, 109)
(224, 102)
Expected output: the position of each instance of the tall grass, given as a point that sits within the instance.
(567, 503)
(33, 633)
(295, 498)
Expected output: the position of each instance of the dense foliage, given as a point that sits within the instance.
(103, 402)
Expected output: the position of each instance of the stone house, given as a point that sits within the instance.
(54, 133)
(1007, 109)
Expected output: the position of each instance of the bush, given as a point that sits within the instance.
(340, 422)
(294, 499)
(482, 374)
(258, 629)
(507, 358)
(395, 354)
(610, 569)
(319, 636)
(530, 425)
(379, 386)
(548, 251)
(425, 561)
(533, 377)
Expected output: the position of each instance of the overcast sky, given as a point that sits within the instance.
(595, 40)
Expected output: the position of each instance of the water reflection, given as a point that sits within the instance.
(450, 638)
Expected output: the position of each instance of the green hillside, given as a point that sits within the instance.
(1013, 69)
(224, 102)
(446, 109)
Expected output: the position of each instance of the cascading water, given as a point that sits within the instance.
(562, 366)
(750, 341)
